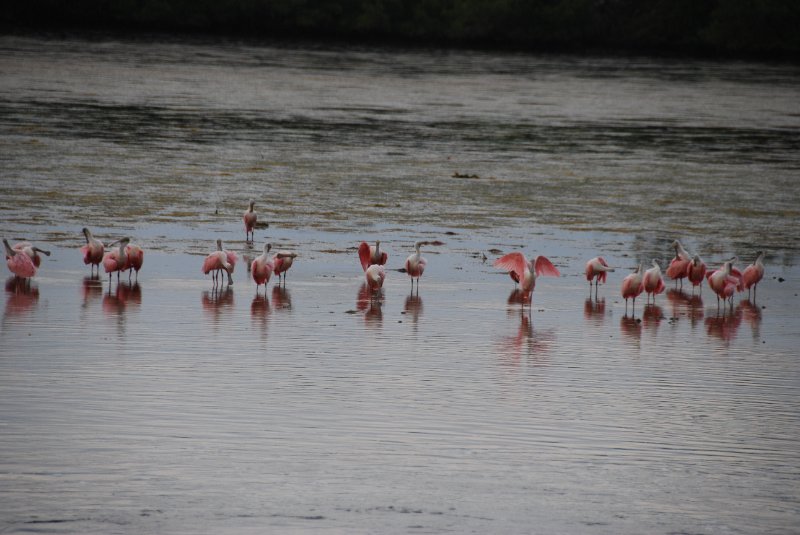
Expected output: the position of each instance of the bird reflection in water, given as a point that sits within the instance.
(690, 305)
(529, 343)
(281, 298)
(371, 304)
(725, 325)
(652, 316)
(124, 294)
(594, 310)
(412, 308)
(91, 289)
(22, 298)
(216, 301)
(259, 312)
(751, 313)
(631, 328)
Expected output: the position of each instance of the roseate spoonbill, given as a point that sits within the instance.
(695, 272)
(369, 254)
(116, 259)
(220, 260)
(415, 264)
(262, 268)
(18, 262)
(524, 271)
(375, 275)
(32, 251)
(135, 259)
(632, 287)
(725, 281)
(92, 251)
(596, 269)
(753, 273)
(283, 260)
(250, 217)
(653, 282)
(677, 267)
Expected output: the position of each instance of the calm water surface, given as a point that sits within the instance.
(166, 406)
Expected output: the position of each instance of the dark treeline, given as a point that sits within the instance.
(733, 27)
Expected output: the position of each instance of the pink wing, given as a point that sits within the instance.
(740, 282)
(232, 258)
(513, 262)
(363, 255)
(21, 265)
(86, 254)
(543, 266)
(384, 258)
(210, 263)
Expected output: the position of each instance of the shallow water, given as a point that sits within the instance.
(166, 406)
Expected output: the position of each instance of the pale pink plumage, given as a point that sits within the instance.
(93, 250)
(524, 271)
(696, 271)
(19, 263)
(371, 254)
(597, 269)
(633, 286)
(652, 281)
(262, 267)
(250, 217)
(753, 273)
(375, 275)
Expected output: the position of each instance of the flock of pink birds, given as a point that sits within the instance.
(23, 259)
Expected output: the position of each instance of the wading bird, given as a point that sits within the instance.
(415, 264)
(596, 269)
(677, 266)
(135, 259)
(262, 267)
(19, 263)
(250, 217)
(653, 282)
(524, 271)
(696, 272)
(753, 273)
(92, 251)
(115, 260)
(220, 260)
(369, 255)
(632, 287)
(375, 275)
(725, 281)
(283, 260)
(32, 251)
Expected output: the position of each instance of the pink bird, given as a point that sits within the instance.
(92, 251)
(596, 269)
(415, 264)
(375, 275)
(220, 260)
(370, 255)
(696, 272)
(116, 259)
(677, 267)
(134, 260)
(725, 281)
(283, 260)
(524, 271)
(250, 219)
(19, 263)
(33, 252)
(262, 268)
(753, 273)
(653, 282)
(632, 287)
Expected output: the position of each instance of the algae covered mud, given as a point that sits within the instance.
(170, 406)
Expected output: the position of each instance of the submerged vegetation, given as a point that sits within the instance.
(764, 27)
